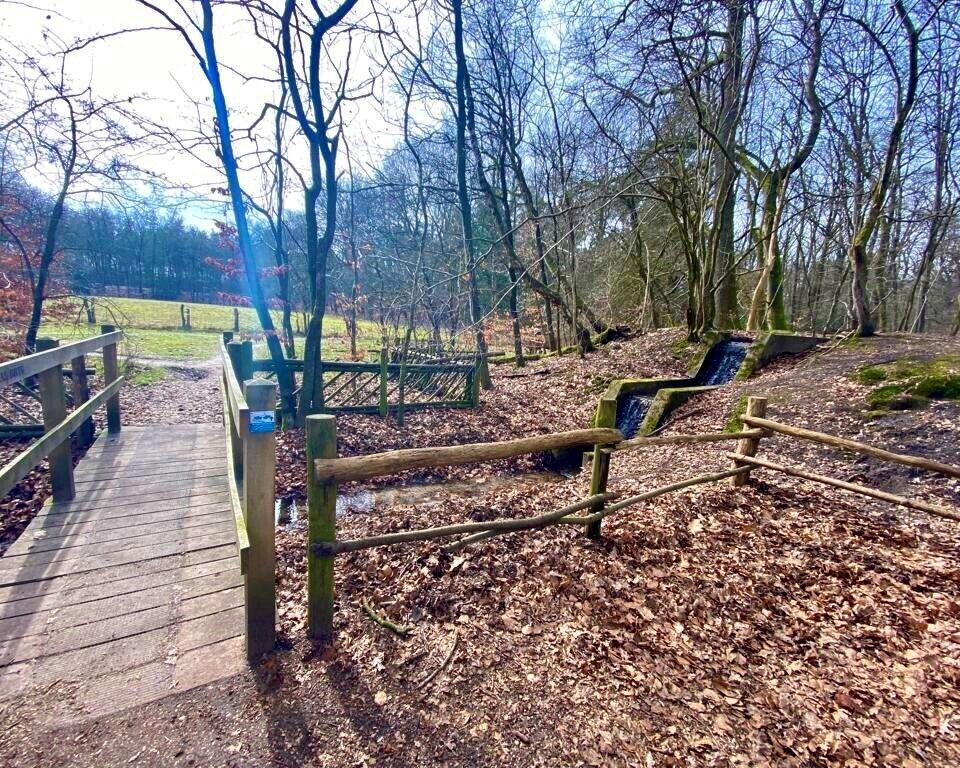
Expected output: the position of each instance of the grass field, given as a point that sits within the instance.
(152, 329)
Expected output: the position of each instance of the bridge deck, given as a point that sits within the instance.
(132, 591)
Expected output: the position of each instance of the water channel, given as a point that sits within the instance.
(720, 366)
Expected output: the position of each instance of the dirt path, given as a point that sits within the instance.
(176, 363)
(189, 394)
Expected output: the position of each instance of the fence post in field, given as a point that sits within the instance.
(81, 393)
(111, 374)
(54, 405)
(321, 437)
(606, 417)
(183, 316)
(384, 373)
(236, 320)
(260, 464)
(189, 325)
(747, 446)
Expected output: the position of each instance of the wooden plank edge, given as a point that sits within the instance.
(243, 537)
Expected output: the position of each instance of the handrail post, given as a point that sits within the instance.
(110, 375)
(54, 405)
(241, 355)
(241, 358)
(260, 463)
(747, 446)
(81, 393)
(606, 417)
(384, 376)
(321, 438)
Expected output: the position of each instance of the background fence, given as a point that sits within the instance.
(356, 387)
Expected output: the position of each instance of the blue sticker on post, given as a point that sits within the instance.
(262, 421)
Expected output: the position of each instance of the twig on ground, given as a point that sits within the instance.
(446, 661)
(383, 621)
(416, 655)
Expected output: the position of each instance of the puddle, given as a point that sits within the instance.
(291, 512)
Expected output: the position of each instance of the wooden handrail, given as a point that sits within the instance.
(18, 467)
(235, 400)
(853, 445)
(349, 468)
(923, 506)
(327, 548)
(705, 437)
(22, 368)
(243, 538)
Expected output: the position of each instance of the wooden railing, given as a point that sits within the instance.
(356, 387)
(46, 365)
(745, 456)
(325, 471)
(249, 413)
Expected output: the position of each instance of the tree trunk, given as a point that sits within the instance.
(463, 196)
(284, 377)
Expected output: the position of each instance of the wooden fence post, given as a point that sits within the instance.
(756, 406)
(110, 375)
(81, 393)
(260, 463)
(321, 437)
(243, 370)
(54, 405)
(241, 355)
(470, 392)
(236, 320)
(384, 375)
(606, 417)
(189, 325)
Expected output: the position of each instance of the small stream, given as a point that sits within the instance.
(723, 362)
(291, 512)
(719, 367)
(631, 411)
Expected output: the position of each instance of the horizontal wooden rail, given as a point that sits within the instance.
(18, 467)
(236, 506)
(349, 468)
(706, 437)
(652, 494)
(844, 485)
(235, 400)
(327, 548)
(852, 445)
(341, 366)
(22, 368)
(620, 505)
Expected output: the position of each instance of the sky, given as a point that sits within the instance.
(157, 66)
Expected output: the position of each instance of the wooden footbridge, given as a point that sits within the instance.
(127, 586)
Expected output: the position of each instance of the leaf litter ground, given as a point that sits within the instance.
(780, 624)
